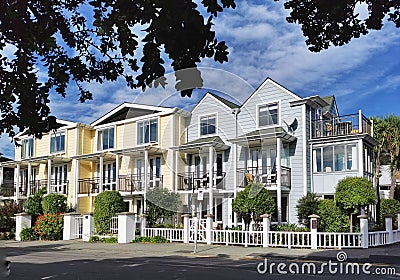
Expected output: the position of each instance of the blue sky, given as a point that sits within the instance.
(364, 74)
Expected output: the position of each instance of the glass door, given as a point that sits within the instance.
(155, 172)
(58, 182)
(139, 179)
(109, 176)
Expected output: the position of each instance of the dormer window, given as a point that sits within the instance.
(208, 125)
(147, 131)
(57, 142)
(268, 114)
(105, 139)
(27, 148)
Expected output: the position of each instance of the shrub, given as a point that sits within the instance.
(49, 226)
(306, 206)
(154, 239)
(389, 207)
(161, 205)
(94, 238)
(106, 205)
(7, 212)
(28, 234)
(54, 204)
(332, 219)
(33, 205)
(289, 227)
(109, 240)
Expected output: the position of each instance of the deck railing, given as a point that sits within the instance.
(193, 180)
(264, 175)
(342, 125)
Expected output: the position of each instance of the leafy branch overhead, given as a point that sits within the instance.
(47, 45)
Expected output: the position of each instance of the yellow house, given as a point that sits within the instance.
(46, 162)
(128, 150)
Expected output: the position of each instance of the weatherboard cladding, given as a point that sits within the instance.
(225, 129)
(247, 122)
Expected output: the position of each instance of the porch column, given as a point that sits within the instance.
(234, 169)
(18, 180)
(76, 184)
(146, 175)
(360, 122)
(360, 158)
(171, 163)
(117, 172)
(28, 191)
(101, 167)
(211, 180)
(48, 175)
(278, 179)
(174, 173)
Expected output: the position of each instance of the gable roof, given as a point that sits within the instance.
(129, 111)
(220, 99)
(330, 99)
(269, 80)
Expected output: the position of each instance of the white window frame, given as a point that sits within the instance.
(199, 125)
(158, 131)
(278, 102)
(321, 147)
(56, 134)
(97, 139)
(27, 155)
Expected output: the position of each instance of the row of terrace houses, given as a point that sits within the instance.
(291, 145)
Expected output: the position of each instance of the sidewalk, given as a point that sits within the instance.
(78, 249)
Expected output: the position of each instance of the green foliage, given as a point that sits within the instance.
(253, 202)
(95, 238)
(33, 205)
(106, 205)
(289, 227)
(154, 239)
(97, 41)
(389, 207)
(332, 219)
(49, 226)
(28, 234)
(306, 206)
(161, 205)
(54, 204)
(354, 192)
(7, 212)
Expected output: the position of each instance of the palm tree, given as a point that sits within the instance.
(393, 148)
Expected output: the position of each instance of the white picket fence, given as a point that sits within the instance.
(339, 240)
(171, 234)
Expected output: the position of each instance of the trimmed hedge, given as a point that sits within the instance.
(106, 205)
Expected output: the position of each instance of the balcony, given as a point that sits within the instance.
(264, 175)
(190, 181)
(127, 183)
(7, 189)
(342, 125)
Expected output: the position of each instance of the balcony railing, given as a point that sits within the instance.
(127, 183)
(193, 180)
(7, 189)
(342, 125)
(59, 186)
(264, 175)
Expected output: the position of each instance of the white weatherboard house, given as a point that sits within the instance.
(290, 144)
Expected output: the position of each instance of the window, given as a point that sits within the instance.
(147, 131)
(268, 114)
(105, 139)
(27, 148)
(335, 158)
(57, 142)
(208, 125)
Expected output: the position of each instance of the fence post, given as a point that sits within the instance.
(88, 226)
(364, 230)
(143, 224)
(126, 227)
(186, 228)
(209, 227)
(398, 220)
(22, 220)
(314, 231)
(266, 222)
(389, 228)
(69, 231)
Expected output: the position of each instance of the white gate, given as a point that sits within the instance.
(201, 230)
(78, 227)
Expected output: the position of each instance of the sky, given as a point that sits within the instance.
(364, 74)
